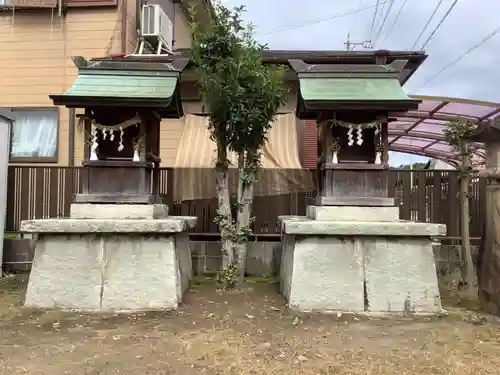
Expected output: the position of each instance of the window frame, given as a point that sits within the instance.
(90, 3)
(40, 159)
(7, 5)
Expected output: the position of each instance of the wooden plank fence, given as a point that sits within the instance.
(426, 196)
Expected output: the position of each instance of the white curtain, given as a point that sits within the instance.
(34, 133)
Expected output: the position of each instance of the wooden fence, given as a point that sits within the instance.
(427, 196)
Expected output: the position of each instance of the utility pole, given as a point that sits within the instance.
(349, 46)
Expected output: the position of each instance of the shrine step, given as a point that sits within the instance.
(115, 198)
(355, 201)
(353, 213)
(118, 211)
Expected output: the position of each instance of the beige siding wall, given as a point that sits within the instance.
(36, 48)
(131, 26)
(182, 30)
(35, 61)
(171, 130)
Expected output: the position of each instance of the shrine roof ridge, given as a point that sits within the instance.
(175, 66)
(391, 70)
(414, 58)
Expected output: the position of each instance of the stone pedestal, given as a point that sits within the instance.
(359, 259)
(118, 211)
(110, 264)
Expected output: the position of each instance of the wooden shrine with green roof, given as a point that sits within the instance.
(351, 105)
(124, 103)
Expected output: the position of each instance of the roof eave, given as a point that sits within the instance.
(415, 59)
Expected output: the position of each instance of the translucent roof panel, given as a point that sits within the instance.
(420, 132)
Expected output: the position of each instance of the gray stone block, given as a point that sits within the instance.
(323, 274)
(360, 228)
(401, 275)
(118, 211)
(353, 213)
(355, 201)
(109, 272)
(170, 225)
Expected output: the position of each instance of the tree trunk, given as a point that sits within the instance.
(224, 207)
(466, 253)
(244, 196)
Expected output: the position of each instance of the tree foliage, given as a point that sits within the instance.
(457, 132)
(242, 96)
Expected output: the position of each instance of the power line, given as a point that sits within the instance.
(383, 23)
(427, 24)
(447, 66)
(439, 25)
(320, 19)
(379, 18)
(395, 20)
(374, 18)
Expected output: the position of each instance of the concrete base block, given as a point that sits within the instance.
(109, 272)
(118, 211)
(401, 275)
(353, 213)
(322, 274)
(328, 265)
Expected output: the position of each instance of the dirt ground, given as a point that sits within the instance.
(244, 333)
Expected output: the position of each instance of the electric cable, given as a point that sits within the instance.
(439, 25)
(395, 20)
(374, 18)
(459, 58)
(427, 24)
(319, 20)
(383, 23)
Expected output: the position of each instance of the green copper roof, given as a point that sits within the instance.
(124, 84)
(355, 89)
(133, 88)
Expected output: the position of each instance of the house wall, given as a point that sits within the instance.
(36, 49)
(36, 56)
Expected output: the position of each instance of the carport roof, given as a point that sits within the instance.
(420, 132)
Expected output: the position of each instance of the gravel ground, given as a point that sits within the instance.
(246, 332)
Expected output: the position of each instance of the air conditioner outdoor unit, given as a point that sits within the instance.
(156, 27)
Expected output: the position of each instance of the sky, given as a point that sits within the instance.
(318, 25)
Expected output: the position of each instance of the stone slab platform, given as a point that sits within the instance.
(118, 211)
(328, 273)
(353, 213)
(109, 272)
(173, 224)
(361, 228)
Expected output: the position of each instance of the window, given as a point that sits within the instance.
(34, 135)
